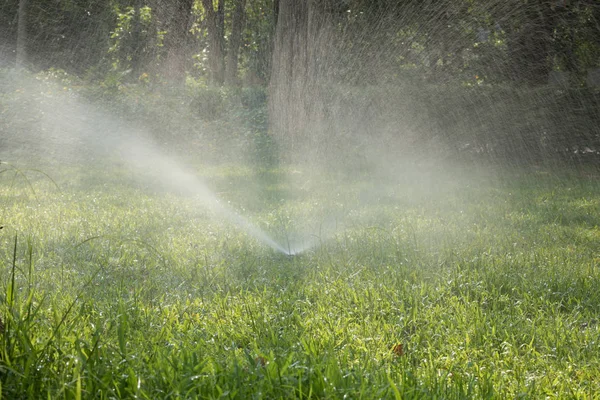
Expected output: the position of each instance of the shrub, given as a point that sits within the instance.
(208, 103)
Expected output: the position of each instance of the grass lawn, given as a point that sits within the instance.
(487, 288)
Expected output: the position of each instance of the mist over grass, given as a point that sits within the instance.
(118, 135)
(428, 267)
(487, 285)
(411, 139)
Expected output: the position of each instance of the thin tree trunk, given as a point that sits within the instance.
(136, 45)
(22, 34)
(215, 41)
(221, 40)
(221, 18)
(236, 40)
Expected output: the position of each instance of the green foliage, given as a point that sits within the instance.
(265, 151)
(208, 103)
(444, 40)
(254, 97)
(509, 125)
(480, 123)
(135, 41)
(69, 35)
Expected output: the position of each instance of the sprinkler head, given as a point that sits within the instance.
(290, 253)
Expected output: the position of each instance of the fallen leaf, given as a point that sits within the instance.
(260, 361)
(398, 349)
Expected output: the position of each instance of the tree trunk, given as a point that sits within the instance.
(215, 40)
(303, 60)
(22, 34)
(275, 12)
(221, 22)
(177, 40)
(136, 46)
(236, 40)
(288, 75)
(530, 45)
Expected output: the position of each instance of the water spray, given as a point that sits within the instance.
(149, 160)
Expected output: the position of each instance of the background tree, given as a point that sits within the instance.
(215, 28)
(237, 27)
(256, 53)
(177, 43)
(289, 75)
(351, 41)
(22, 34)
(529, 42)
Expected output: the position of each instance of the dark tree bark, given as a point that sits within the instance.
(530, 44)
(221, 22)
(275, 12)
(136, 45)
(214, 25)
(22, 34)
(177, 41)
(235, 42)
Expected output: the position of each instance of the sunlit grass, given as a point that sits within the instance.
(112, 290)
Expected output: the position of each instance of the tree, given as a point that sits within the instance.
(576, 38)
(178, 14)
(530, 42)
(237, 27)
(289, 72)
(256, 54)
(215, 28)
(22, 34)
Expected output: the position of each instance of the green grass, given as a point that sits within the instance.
(112, 291)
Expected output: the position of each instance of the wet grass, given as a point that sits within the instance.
(484, 289)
